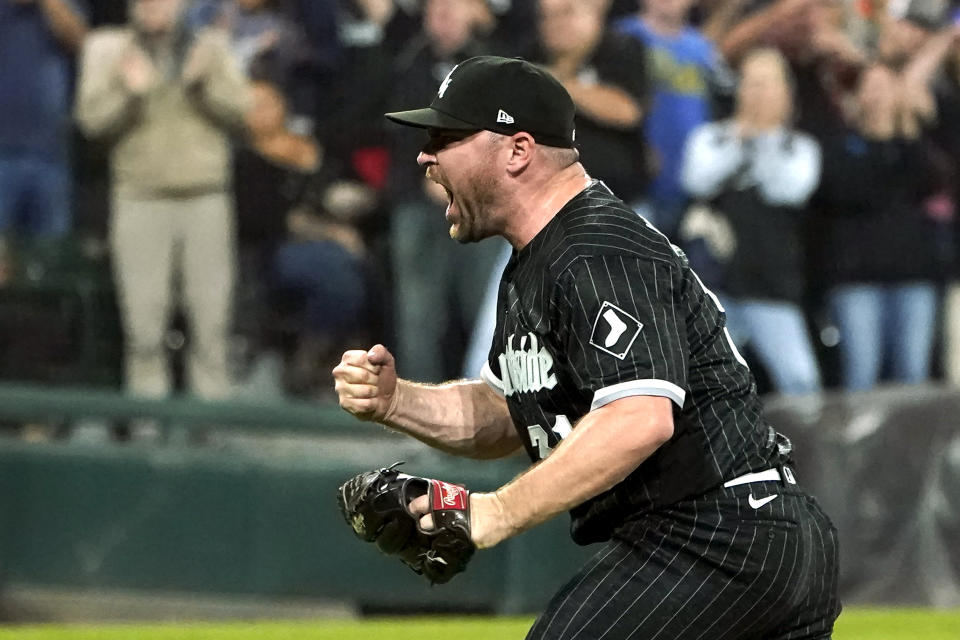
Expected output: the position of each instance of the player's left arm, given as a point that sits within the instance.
(607, 445)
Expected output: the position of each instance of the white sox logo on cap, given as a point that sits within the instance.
(446, 82)
(504, 95)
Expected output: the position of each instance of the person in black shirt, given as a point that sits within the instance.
(605, 74)
(752, 175)
(877, 248)
(612, 368)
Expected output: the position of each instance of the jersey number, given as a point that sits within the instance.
(539, 439)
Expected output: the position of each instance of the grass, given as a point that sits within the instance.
(854, 624)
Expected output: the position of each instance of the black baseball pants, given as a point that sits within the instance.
(733, 564)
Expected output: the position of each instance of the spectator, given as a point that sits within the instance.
(37, 41)
(947, 135)
(167, 99)
(436, 293)
(877, 247)
(813, 35)
(757, 173)
(271, 168)
(790, 25)
(324, 266)
(297, 230)
(351, 124)
(263, 37)
(683, 65)
(606, 76)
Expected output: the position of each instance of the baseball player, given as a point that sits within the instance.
(612, 368)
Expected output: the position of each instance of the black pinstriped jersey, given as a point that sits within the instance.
(600, 306)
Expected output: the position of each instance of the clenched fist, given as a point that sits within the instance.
(366, 382)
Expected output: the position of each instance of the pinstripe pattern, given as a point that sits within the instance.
(597, 307)
(598, 255)
(707, 569)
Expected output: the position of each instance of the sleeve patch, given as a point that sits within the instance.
(614, 330)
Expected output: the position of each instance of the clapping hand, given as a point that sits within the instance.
(137, 71)
(199, 62)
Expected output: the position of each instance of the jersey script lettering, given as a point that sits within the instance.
(527, 368)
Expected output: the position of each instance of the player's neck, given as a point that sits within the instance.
(537, 205)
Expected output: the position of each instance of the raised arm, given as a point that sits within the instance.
(68, 24)
(617, 97)
(213, 76)
(712, 154)
(464, 418)
(721, 17)
(788, 173)
(736, 41)
(917, 101)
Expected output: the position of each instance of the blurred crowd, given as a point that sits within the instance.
(229, 159)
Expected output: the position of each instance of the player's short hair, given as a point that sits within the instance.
(562, 157)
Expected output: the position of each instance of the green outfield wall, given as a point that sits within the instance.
(252, 511)
(231, 517)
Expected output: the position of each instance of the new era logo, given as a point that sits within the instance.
(504, 117)
(614, 330)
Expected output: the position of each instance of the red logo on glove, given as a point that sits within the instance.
(448, 496)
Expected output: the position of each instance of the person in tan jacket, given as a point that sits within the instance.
(167, 101)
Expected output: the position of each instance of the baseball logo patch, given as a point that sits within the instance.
(614, 330)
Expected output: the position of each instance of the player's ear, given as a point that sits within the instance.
(522, 147)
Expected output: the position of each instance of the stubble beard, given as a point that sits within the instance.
(475, 217)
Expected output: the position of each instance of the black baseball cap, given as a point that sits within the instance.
(505, 95)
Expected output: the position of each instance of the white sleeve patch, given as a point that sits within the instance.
(614, 330)
(650, 387)
(488, 376)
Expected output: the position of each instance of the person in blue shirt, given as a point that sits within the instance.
(682, 64)
(38, 39)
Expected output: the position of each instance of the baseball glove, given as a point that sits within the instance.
(374, 504)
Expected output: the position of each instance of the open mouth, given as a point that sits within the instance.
(450, 215)
(449, 197)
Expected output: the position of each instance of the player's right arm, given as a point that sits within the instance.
(465, 418)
